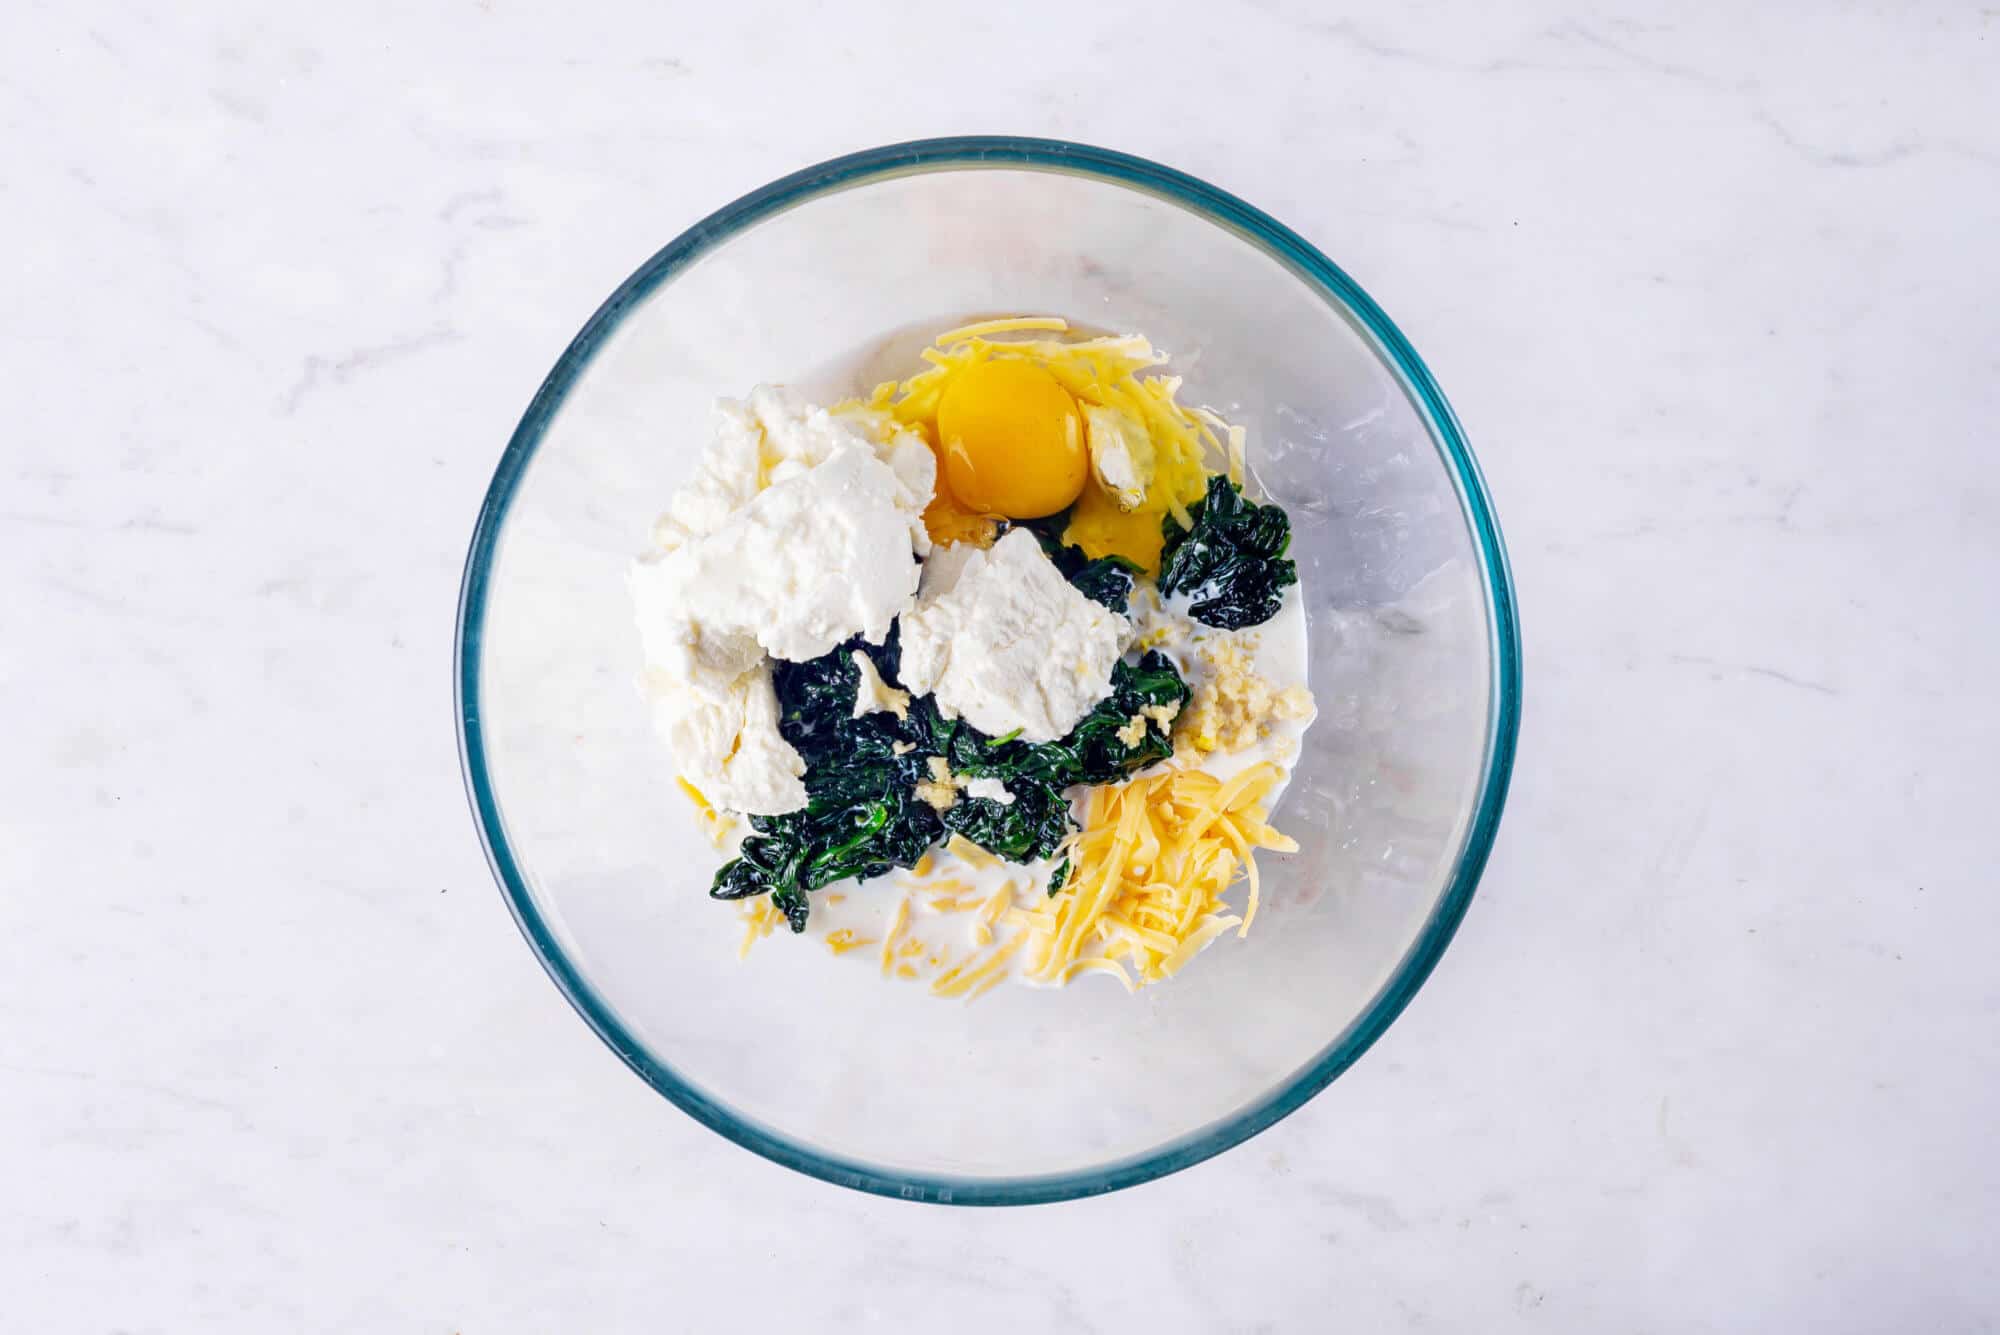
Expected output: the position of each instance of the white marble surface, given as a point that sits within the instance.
(1716, 299)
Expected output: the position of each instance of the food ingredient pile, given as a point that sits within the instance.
(984, 642)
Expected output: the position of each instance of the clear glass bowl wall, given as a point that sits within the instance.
(832, 284)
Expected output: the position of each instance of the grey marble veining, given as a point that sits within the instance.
(1715, 298)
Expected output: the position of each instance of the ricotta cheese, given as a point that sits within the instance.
(800, 529)
(773, 435)
(731, 749)
(1002, 640)
(807, 563)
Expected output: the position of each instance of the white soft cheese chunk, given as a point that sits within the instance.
(809, 562)
(800, 529)
(731, 748)
(1121, 454)
(1002, 640)
(908, 457)
(774, 435)
(683, 652)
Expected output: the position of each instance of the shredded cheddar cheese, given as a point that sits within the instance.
(1015, 325)
(716, 825)
(997, 903)
(897, 921)
(957, 980)
(1148, 875)
(758, 916)
(972, 854)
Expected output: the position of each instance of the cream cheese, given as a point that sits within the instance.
(1002, 640)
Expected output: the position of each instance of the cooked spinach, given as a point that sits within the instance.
(1093, 751)
(859, 820)
(1103, 579)
(862, 815)
(1029, 827)
(1232, 562)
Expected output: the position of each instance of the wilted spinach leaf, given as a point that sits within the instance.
(862, 815)
(858, 822)
(1029, 827)
(1232, 561)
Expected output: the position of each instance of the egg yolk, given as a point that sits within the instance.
(1012, 440)
(1102, 528)
(946, 518)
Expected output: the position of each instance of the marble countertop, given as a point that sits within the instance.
(1716, 299)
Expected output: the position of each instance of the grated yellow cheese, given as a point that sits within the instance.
(844, 940)
(1014, 325)
(1148, 875)
(758, 916)
(963, 848)
(716, 825)
(898, 920)
(956, 981)
(997, 903)
(985, 985)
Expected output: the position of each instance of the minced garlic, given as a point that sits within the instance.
(940, 790)
(1234, 705)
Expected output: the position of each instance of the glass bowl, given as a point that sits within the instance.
(830, 280)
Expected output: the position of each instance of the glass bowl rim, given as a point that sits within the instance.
(975, 152)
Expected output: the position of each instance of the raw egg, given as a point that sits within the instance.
(946, 518)
(1012, 440)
